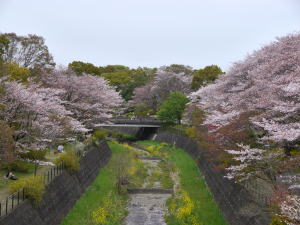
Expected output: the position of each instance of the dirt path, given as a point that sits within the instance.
(147, 208)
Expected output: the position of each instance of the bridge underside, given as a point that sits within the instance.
(140, 131)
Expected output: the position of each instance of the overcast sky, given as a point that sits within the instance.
(152, 32)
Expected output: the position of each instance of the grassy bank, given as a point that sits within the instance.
(193, 204)
(101, 204)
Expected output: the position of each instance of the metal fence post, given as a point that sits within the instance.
(6, 206)
(18, 197)
(12, 201)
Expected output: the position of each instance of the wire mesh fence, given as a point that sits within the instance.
(14, 200)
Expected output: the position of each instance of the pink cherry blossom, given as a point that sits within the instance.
(267, 82)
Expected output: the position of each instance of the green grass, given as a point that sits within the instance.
(4, 183)
(137, 179)
(161, 175)
(192, 182)
(97, 194)
(147, 143)
(165, 179)
(50, 157)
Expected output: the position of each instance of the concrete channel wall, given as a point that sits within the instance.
(62, 193)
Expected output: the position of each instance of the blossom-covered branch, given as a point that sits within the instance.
(267, 82)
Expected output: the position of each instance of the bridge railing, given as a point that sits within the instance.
(136, 120)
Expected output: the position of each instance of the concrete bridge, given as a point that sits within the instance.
(132, 122)
(142, 128)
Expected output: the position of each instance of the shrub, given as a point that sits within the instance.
(19, 166)
(34, 154)
(17, 185)
(191, 132)
(34, 188)
(121, 164)
(126, 137)
(70, 161)
(100, 134)
(161, 150)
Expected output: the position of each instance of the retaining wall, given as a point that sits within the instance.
(235, 202)
(62, 193)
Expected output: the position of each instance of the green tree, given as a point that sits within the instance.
(17, 72)
(89, 68)
(4, 42)
(114, 68)
(142, 109)
(140, 77)
(28, 51)
(206, 75)
(172, 108)
(122, 77)
(178, 68)
(118, 79)
(82, 67)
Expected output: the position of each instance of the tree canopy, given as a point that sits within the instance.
(266, 82)
(171, 110)
(205, 76)
(122, 77)
(27, 51)
(156, 91)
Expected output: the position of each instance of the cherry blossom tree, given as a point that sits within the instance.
(142, 95)
(37, 111)
(290, 210)
(255, 163)
(89, 98)
(165, 82)
(266, 87)
(267, 82)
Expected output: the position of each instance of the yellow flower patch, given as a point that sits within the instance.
(182, 207)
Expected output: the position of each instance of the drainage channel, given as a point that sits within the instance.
(147, 205)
